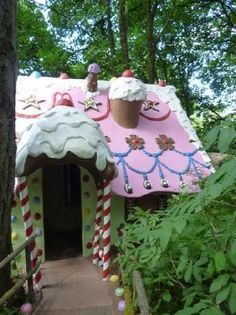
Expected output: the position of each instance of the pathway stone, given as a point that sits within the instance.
(74, 287)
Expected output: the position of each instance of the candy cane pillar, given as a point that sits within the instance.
(106, 228)
(28, 226)
(98, 217)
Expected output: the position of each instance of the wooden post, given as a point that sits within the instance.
(141, 294)
(28, 269)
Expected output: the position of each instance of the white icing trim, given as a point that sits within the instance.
(168, 95)
(75, 132)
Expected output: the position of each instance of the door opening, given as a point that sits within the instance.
(62, 211)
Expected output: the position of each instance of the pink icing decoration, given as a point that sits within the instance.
(152, 123)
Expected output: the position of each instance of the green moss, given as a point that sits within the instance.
(129, 310)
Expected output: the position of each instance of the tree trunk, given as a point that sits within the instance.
(110, 30)
(150, 13)
(7, 129)
(123, 34)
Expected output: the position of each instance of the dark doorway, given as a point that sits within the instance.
(62, 211)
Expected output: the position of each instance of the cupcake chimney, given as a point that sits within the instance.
(126, 97)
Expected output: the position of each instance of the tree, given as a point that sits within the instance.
(7, 129)
(182, 41)
(151, 8)
(123, 33)
(37, 47)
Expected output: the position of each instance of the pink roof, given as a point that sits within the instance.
(161, 154)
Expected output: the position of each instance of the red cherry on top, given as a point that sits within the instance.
(128, 73)
(63, 75)
(162, 82)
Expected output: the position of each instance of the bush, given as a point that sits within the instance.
(187, 254)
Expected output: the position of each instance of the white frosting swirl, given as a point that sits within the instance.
(128, 89)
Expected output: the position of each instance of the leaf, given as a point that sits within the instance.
(180, 224)
(219, 282)
(182, 264)
(201, 261)
(223, 294)
(212, 311)
(166, 296)
(189, 298)
(185, 311)
(210, 268)
(199, 306)
(165, 235)
(211, 137)
(232, 257)
(232, 299)
(188, 272)
(219, 260)
(197, 273)
(225, 138)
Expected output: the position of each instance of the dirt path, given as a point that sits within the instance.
(74, 286)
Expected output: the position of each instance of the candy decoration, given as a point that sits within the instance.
(100, 263)
(106, 227)
(89, 245)
(113, 79)
(13, 218)
(119, 292)
(26, 308)
(35, 74)
(128, 188)
(13, 203)
(97, 223)
(86, 194)
(14, 235)
(147, 184)
(103, 208)
(87, 228)
(28, 226)
(182, 184)
(85, 178)
(35, 181)
(128, 73)
(37, 216)
(86, 211)
(63, 75)
(164, 183)
(162, 82)
(36, 200)
(114, 278)
(39, 232)
(121, 306)
(94, 68)
(39, 252)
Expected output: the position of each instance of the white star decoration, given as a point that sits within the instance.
(90, 103)
(151, 105)
(31, 101)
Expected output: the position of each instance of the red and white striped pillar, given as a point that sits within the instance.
(98, 229)
(28, 226)
(106, 228)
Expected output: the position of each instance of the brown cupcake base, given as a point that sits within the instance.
(126, 113)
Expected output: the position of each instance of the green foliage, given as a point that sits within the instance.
(37, 47)
(222, 137)
(193, 42)
(7, 311)
(187, 253)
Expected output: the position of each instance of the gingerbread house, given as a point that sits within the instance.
(86, 156)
